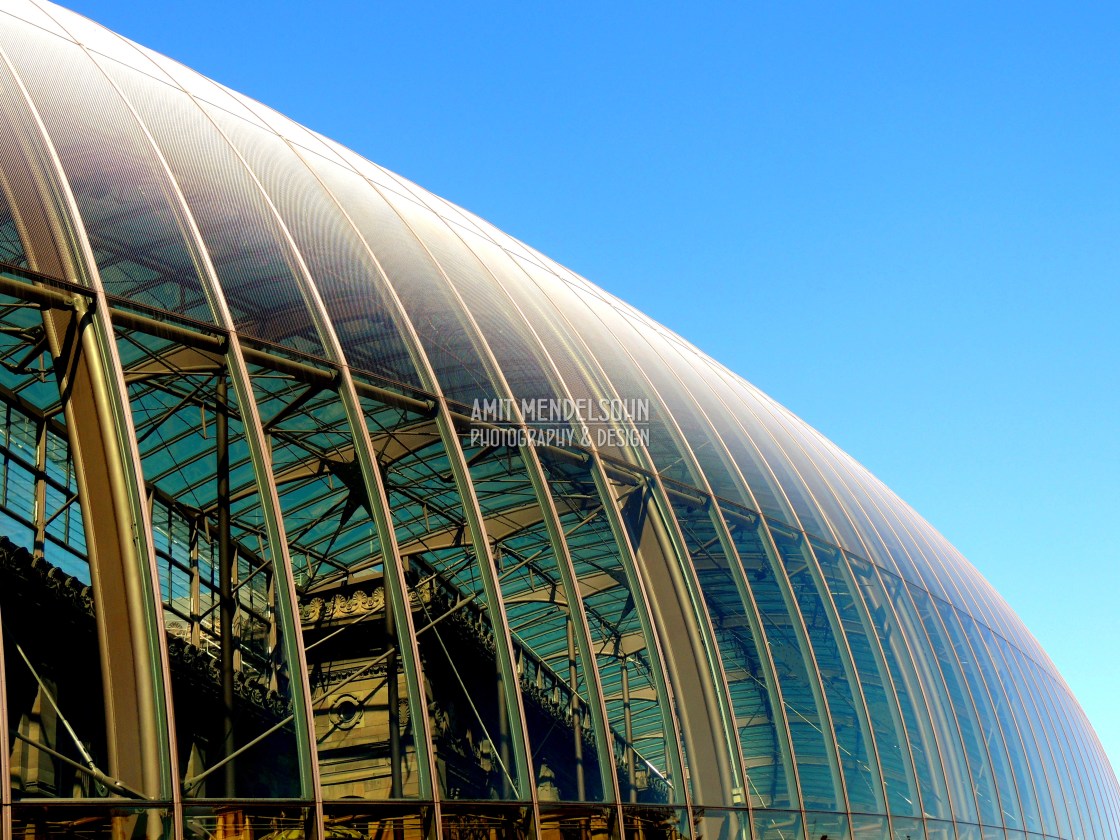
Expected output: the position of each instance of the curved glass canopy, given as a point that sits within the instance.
(329, 510)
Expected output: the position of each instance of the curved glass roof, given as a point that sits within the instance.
(711, 605)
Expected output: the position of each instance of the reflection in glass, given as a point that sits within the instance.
(542, 624)
(352, 821)
(626, 660)
(471, 728)
(890, 743)
(716, 824)
(903, 828)
(761, 729)
(907, 690)
(963, 709)
(493, 821)
(777, 825)
(572, 822)
(933, 688)
(653, 823)
(939, 830)
(53, 676)
(498, 641)
(81, 820)
(841, 690)
(1036, 750)
(244, 821)
(805, 712)
(230, 677)
(359, 692)
(831, 826)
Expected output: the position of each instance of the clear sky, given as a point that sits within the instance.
(901, 220)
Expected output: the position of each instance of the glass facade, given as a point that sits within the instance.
(327, 510)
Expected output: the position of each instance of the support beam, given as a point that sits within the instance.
(121, 590)
(225, 588)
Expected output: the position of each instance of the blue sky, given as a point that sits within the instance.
(902, 222)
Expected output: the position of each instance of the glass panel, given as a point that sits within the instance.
(485, 819)
(907, 829)
(878, 541)
(702, 440)
(868, 827)
(845, 700)
(579, 370)
(341, 267)
(517, 352)
(222, 599)
(912, 556)
(628, 664)
(356, 296)
(744, 403)
(244, 241)
(1088, 793)
(965, 711)
(890, 737)
(11, 247)
(906, 688)
(475, 755)
(1058, 740)
(1092, 792)
(813, 749)
(798, 443)
(1027, 726)
(255, 112)
(933, 687)
(31, 198)
(827, 826)
(961, 586)
(711, 393)
(248, 822)
(128, 207)
(553, 675)
(1016, 750)
(401, 185)
(447, 337)
(937, 830)
(93, 36)
(987, 723)
(571, 822)
(901, 557)
(778, 825)
(704, 718)
(32, 14)
(836, 467)
(362, 315)
(648, 823)
(350, 821)
(750, 681)
(610, 340)
(197, 85)
(713, 824)
(378, 176)
(38, 486)
(359, 692)
(443, 208)
(80, 820)
(53, 679)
